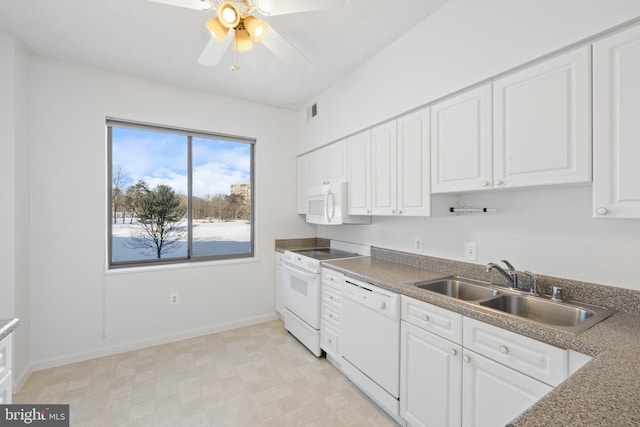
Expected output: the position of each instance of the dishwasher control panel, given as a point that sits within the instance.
(377, 299)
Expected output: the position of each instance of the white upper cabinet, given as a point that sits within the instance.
(542, 123)
(327, 164)
(359, 173)
(400, 160)
(616, 125)
(462, 143)
(302, 181)
(384, 165)
(336, 162)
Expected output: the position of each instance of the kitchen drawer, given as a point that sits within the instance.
(331, 314)
(332, 278)
(329, 339)
(539, 360)
(5, 355)
(331, 295)
(437, 320)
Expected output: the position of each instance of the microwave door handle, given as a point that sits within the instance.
(326, 205)
(331, 198)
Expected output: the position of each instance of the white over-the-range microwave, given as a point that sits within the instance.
(328, 205)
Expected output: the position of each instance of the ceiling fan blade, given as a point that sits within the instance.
(189, 4)
(282, 7)
(214, 50)
(284, 50)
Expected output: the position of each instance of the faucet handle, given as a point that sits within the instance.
(534, 286)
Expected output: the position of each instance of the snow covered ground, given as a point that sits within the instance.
(209, 238)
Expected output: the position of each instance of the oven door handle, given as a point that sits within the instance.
(297, 270)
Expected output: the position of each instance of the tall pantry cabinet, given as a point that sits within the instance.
(616, 125)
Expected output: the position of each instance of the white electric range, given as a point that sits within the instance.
(303, 287)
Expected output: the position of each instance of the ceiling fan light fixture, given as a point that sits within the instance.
(242, 40)
(228, 14)
(256, 27)
(206, 5)
(217, 29)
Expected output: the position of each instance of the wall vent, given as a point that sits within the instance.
(312, 111)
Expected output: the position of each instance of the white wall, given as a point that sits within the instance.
(78, 310)
(14, 192)
(547, 231)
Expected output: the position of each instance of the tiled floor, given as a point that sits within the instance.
(254, 376)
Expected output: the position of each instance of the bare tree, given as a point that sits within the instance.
(159, 214)
(117, 195)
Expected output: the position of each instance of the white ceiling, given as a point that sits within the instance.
(161, 42)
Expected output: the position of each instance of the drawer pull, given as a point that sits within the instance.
(466, 358)
(453, 352)
(426, 317)
(504, 350)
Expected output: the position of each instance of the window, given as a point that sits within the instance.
(177, 195)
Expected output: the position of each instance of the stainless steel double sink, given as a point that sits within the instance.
(560, 315)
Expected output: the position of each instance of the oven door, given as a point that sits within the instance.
(301, 294)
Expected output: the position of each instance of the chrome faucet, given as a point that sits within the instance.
(510, 274)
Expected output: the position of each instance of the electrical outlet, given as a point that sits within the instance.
(470, 251)
(174, 299)
(417, 244)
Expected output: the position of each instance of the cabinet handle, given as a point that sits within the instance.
(383, 305)
(426, 317)
(453, 352)
(484, 183)
(602, 211)
(504, 350)
(399, 212)
(331, 297)
(498, 182)
(466, 358)
(330, 341)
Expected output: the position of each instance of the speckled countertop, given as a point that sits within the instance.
(7, 326)
(605, 392)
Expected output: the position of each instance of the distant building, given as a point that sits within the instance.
(242, 188)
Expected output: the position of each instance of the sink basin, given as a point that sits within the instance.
(463, 289)
(564, 316)
(560, 315)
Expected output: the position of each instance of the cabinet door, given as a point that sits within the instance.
(542, 118)
(303, 181)
(414, 164)
(493, 394)
(384, 169)
(336, 162)
(279, 282)
(317, 168)
(462, 142)
(359, 173)
(616, 125)
(430, 378)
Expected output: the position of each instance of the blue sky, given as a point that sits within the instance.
(161, 158)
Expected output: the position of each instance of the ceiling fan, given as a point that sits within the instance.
(238, 15)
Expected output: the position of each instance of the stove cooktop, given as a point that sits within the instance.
(325, 253)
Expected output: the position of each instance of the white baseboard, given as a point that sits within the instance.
(20, 378)
(37, 365)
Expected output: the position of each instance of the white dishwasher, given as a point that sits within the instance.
(370, 337)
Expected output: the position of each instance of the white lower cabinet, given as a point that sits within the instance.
(430, 378)
(331, 311)
(494, 394)
(279, 283)
(6, 378)
(458, 371)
